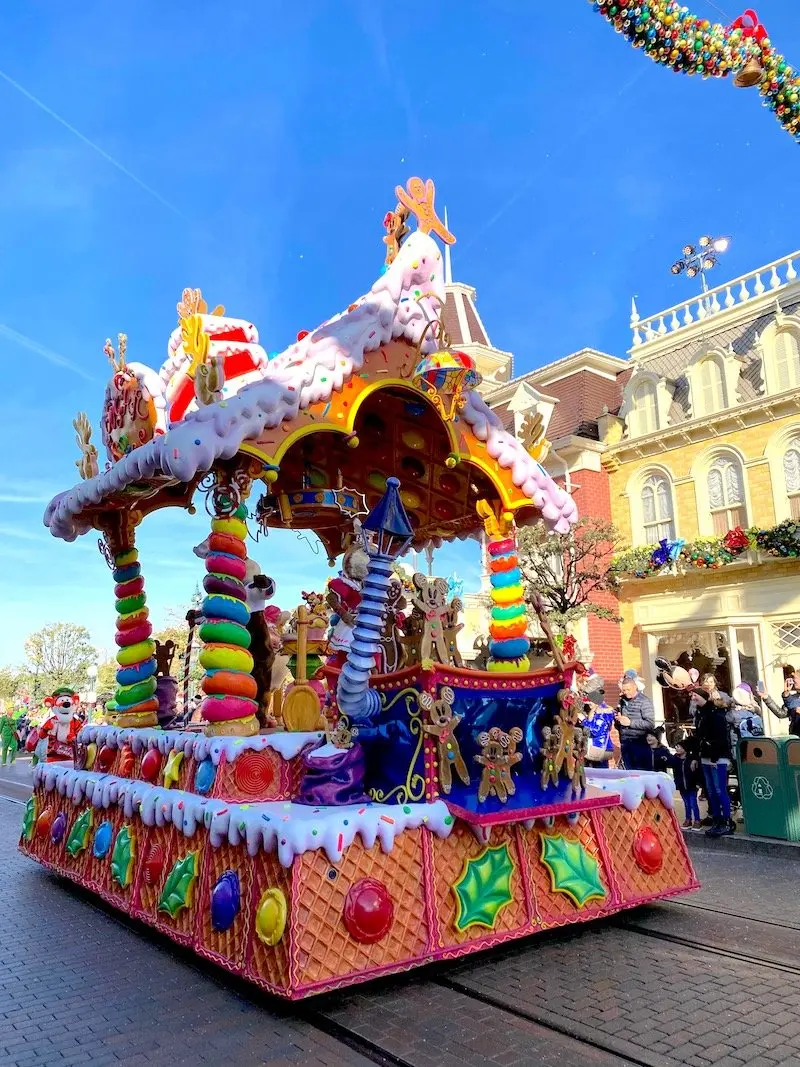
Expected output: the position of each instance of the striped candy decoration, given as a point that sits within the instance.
(229, 705)
(135, 698)
(508, 630)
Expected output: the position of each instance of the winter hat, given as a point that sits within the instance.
(743, 696)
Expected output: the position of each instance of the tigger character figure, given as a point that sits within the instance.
(442, 727)
(498, 755)
(60, 731)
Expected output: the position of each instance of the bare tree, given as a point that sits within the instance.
(567, 571)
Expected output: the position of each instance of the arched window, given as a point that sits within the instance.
(791, 474)
(787, 360)
(645, 409)
(711, 387)
(726, 494)
(657, 514)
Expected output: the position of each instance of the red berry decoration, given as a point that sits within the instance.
(151, 765)
(648, 851)
(368, 911)
(105, 758)
(153, 864)
(253, 773)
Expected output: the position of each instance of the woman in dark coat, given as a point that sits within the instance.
(713, 736)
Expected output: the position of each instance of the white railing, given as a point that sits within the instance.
(731, 294)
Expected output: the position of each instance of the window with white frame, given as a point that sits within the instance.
(791, 475)
(658, 519)
(726, 494)
(711, 387)
(786, 358)
(645, 409)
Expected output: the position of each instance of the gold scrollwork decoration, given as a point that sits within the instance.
(413, 789)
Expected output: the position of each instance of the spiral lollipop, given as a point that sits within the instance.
(135, 700)
(229, 705)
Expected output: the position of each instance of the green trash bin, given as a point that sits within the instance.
(790, 750)
(771, 806)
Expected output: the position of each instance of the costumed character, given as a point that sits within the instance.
(260, 589)
(59, 731)
(8, 738)
(166, 685)
(344, 596)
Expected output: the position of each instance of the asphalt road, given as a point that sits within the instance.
(709, 982)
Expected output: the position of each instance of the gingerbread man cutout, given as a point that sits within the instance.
(418, 197)
(442, 727)
(431, 601)
(498, 755)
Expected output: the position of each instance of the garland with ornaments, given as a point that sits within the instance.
(678, 557)
(668, 33)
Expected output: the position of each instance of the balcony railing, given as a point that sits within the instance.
(771, 278)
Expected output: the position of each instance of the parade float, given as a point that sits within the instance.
(397, 807)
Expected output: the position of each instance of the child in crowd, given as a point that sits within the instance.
(598, 718)
(658, 754)
(685, 770)
(747, 721)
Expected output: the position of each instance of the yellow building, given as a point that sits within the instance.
(708, 439)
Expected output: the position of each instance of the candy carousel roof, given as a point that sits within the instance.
(265, 394)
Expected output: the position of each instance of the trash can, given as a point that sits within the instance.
(771, 805)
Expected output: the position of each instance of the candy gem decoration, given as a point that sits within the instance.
(179, 886)
(123, 856)
(225, 901)
(153, 864)
(368, 911)
(669, 34)
(44, 822)
(127, 763)
(59, 828)
(508, 630)
(573, 871)
(151, 765)
(105, 758)
(135, 699)
(484, 888)
(91, 756)
(204, 776)
(229, 685)
(253, 773)
(647, 850)
(79, 834)
(270, 919)
(102, 840)
(29, 819)
(172, 771)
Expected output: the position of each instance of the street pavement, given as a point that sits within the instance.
(710, 982)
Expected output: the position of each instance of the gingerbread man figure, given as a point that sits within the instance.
(498, 755)
(431, 601)
(418, 197)
(442, 727)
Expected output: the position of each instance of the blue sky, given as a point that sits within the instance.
(252, 148)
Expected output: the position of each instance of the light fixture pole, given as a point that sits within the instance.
(698, 260)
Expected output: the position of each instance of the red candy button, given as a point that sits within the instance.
(368, 911)
(105, 758)
(648, 851)
(151, 765)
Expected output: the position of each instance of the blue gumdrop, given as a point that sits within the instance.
(102, 840)
(204, 778)
(225, 901)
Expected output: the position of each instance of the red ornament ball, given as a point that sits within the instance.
(648, 850)
(151, 765)
(368, 911)
(253, 773)
(105, 758)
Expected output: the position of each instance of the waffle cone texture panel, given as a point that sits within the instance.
(317, 925)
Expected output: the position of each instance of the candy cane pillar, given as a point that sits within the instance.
(509, 643)
(135, 698)
(229, 706)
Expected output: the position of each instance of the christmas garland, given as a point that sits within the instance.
(670, 35)
(712, 553)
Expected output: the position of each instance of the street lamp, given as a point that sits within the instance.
(698, 260)
(91, 696)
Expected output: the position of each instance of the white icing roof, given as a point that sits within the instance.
(308, 372)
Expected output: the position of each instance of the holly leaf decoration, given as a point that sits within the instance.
(573, 870)
(122, 857)
(178, 887)
(79, 834)
(484, 888)
(29, 819)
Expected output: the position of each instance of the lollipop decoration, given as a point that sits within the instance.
(135, 699)
(672, 36)
(508, 630)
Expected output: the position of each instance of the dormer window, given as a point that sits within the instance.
(710, 387)
(644, 413)
(786, 357)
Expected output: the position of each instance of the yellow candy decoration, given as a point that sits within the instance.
(230, 526)
(271, 917)
(226, 658)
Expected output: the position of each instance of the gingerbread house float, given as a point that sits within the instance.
(387, 819)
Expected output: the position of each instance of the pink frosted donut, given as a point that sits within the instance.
(220, 709)
(230, 565)
(130, 588)
(134, 635)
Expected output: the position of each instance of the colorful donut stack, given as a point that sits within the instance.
(229, 705)
(508, 630)
(135, 698)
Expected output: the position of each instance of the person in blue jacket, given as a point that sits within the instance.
(598, 718)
